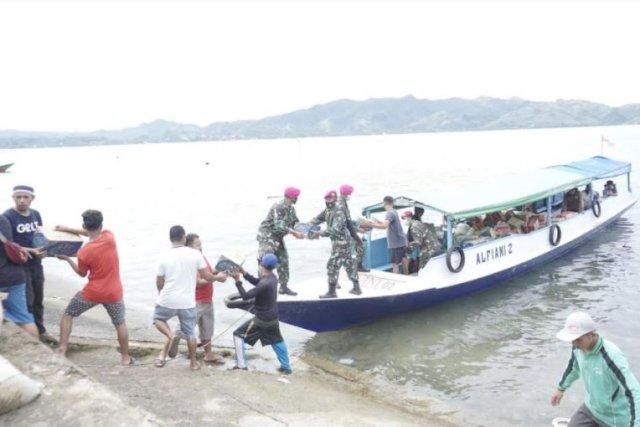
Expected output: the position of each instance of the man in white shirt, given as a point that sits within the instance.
(177, 295)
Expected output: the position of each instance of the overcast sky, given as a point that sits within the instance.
(89, 65)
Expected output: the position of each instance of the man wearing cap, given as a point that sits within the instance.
(345, 193)
(612, 392)
(343, 253)
(265, 325)
(279, 222)
(25, 221)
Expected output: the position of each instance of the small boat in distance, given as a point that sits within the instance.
(488, 233)
(4, 168)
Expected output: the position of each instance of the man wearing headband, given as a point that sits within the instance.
(25, 221)
(279, 222)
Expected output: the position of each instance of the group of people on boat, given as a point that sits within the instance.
(528, 218)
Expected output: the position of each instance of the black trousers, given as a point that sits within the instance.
(35, 293)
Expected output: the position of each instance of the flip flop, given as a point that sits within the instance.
(173, 347)
(159, 363)
(132, 361)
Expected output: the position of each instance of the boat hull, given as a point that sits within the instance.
(334, 314)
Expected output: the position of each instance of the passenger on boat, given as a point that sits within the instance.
(610, 189)
(396, 239)
(419, 239)
(573, 201)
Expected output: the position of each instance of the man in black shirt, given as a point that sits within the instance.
(24, 224)
(265, 325)
(12, 283)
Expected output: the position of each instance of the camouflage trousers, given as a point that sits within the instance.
(424, 253)
(343, 254)
(359, 252)
(274, 245)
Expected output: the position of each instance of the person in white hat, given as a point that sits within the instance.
(612, 392)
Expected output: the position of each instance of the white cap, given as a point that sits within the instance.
(577, 324)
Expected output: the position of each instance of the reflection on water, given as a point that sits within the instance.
(498, 346)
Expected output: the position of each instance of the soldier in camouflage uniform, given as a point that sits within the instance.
(421, 236)
(279, 222)
(343, 253)
(345, 193)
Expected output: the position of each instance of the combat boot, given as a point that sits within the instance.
(331, 293)
(356, 289)
(285, 290)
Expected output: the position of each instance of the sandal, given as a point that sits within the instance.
(173, 347)
(159, 363)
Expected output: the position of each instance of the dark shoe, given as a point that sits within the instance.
(238, 368)
(356, 289)
(285, 371)
(338, 286)
(284, 290)
(331, 293)
(361, 269)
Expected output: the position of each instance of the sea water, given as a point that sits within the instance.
(492, 357)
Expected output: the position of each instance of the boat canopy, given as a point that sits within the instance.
(509, 191)
(598, 167)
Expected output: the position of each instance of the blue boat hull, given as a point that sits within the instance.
(334, 314)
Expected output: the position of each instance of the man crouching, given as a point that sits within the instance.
(265, 325)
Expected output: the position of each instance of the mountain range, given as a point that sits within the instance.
(348, 117)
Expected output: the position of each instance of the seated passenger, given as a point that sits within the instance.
(610, 189)
(573, 201)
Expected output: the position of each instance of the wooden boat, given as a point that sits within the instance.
(465, 266)
(4, 168)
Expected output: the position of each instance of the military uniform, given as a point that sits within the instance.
(279, 222)
(353, 230)
(422, 236)
(343, 253)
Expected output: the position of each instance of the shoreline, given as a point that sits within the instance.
(320, 392)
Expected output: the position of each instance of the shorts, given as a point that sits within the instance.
(204, 320)
(268, 332)
(396, 254)
(79, 304)
(15, 306)
(186, 316)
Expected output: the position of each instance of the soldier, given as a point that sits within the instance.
(417, 237)
(279, 222)
(345, 193)
(343, 252)
(422, 236)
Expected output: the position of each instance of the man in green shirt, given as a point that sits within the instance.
(612, 392)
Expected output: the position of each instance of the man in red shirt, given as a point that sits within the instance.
(99, 259)
(204, 303)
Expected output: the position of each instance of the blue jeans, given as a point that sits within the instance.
(15, 306)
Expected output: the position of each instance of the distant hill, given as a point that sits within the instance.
(347, 117)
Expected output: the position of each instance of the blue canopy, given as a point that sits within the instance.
(598, 167)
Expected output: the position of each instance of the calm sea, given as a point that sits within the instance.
(492, 357)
